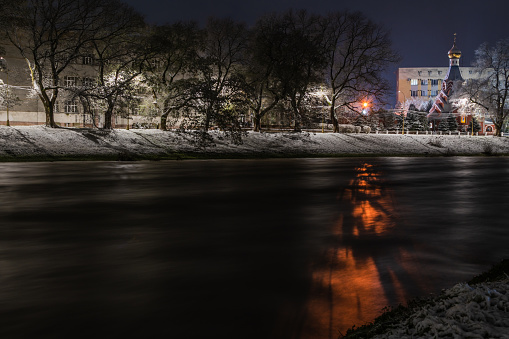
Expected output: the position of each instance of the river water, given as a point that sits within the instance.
(295, 248)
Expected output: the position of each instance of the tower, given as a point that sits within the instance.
(443, 100)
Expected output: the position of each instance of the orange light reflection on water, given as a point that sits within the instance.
(358, 281)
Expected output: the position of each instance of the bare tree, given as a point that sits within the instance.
(490, 91)
(170, 65)
(219, 96)
(264, 59)
(358, 51)
(118, 56)
(50, 35)
(303, 59)
(53, 35)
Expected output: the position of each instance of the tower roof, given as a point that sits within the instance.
(454, 52)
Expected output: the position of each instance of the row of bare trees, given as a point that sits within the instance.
(200, 77)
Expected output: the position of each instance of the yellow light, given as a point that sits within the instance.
(365, 104)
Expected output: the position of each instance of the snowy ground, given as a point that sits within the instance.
(39, 141)
(463, 311)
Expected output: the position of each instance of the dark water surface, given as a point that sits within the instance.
(300, 248)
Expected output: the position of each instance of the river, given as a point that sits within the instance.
(281, 248)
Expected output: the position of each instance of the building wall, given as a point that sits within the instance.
(30, 110)
(424, 83)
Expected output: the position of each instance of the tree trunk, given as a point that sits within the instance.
(108, 116)
(297, 127)
(498, 130)
(335, 124)
(50, 117)
(257, 123)
(207, 122)
(49, 110)
(296, 116)
(164, 118)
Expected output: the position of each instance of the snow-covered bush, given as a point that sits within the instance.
(347, 128)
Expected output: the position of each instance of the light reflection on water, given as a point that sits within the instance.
(357, 283)
(302, 248)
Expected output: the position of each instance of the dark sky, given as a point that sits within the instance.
(422, 31)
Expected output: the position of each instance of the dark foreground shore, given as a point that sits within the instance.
(478, 308)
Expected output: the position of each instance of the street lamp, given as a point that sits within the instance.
(3, 68)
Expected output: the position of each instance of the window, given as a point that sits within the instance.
(69, 81)
(434, 82)
(429, 73)
(424, 93)
(88, 60)
(439, 72)
(413, 93)
(88, 82)
(414, 82)
(419, 72)
(156, 63)
(462, 119)
(71, 106)
(470, 72)
(433, 93)
(424, 82)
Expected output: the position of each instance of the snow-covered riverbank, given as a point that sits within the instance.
(477, 309)
(42, 142)
(463, 311)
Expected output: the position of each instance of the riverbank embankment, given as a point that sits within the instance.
(478, 308)
(39, 143)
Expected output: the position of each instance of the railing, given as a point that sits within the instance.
(393, 132)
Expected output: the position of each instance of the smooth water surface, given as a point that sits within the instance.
(296, 248)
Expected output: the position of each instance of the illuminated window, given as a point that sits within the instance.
(88, 60)
(71, 106)
(69, 81)
(414, 82)
(462, 119)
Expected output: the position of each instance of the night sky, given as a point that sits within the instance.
(422, 31)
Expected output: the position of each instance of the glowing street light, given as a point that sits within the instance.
(365, 105)
(3, 68)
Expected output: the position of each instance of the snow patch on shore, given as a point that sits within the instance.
(463, 311)
(43, 141)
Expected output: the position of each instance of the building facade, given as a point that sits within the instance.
(29, 110)
(425, 83)
(435, 84)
